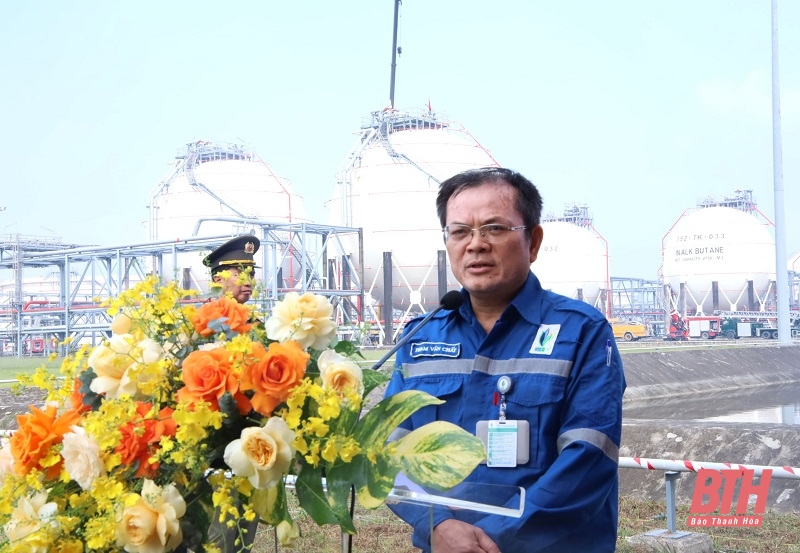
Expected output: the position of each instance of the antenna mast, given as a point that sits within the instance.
(394, 53)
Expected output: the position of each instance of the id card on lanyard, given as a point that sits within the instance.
(507, 442)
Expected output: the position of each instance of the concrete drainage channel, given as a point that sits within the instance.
(657, 377)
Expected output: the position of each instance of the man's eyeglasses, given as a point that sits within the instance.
(492, 233)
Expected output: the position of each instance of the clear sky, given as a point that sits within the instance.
(634, 108)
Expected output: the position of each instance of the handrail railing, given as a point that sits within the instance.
(672, 469)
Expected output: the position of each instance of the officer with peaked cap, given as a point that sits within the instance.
(232, 266)
(229, 261)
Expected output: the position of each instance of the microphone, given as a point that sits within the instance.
(450, 301)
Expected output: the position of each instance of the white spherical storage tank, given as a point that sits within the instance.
(793, 263)
(390, 191)
(213, 186)
(723, 245)
(572, 261)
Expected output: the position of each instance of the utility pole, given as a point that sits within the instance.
(781, 266)
(394, 52)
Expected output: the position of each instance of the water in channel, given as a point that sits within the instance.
(778, 404)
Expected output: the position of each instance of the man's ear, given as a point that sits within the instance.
(216, 278)
(537, 235)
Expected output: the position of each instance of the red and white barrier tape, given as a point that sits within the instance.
(694, 466)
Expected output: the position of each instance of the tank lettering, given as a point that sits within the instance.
(699, 254)
(698, 237)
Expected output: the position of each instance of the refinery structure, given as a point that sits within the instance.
(379, 257)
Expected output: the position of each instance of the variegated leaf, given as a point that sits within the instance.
(438, 455)
(270, 504)
(374, 428)
(373, 481)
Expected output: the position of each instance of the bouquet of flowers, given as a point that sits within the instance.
(193, 414)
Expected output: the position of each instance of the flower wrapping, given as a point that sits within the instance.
(192, 411)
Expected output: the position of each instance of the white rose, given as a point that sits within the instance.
(28, 516)
(210, 346)
(305, 319)
(182, 342)
(110, 363)
(81, 455)
(152, 525)
(6, 460)
(148, 351)
(340, 373)
(262, 455)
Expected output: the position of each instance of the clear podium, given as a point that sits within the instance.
(490, 499)
(486, 499)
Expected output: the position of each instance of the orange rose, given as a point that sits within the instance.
(38, 431)
(207, 375)
(140, 438)
(76, 398)
(273, 374)
(232, 312)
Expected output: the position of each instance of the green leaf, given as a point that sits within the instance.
(339, 498)
(343, 424)
(373, 379)
(348, 349)
(438, 455)
(312, 497)
(373, 481)
(374, 428)
(270, 504)
(380, 480)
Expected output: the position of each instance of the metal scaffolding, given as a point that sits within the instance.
(34, 322)
(638, 299)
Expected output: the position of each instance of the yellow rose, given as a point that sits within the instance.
(151, 525)
(339, 373)
(121, 324)
(305, 319)
(28, 517)
(110, 363)
(288, 532)
(262, 455)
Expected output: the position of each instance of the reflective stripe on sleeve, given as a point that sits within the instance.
(592, 436)
(555, 367)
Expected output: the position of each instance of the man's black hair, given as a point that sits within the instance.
(529, 201)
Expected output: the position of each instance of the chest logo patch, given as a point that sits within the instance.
(545, 340)
(435, 349)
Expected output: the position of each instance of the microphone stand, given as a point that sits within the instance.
(450, 301)
(404, 340)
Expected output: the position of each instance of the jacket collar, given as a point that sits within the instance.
(527, 303)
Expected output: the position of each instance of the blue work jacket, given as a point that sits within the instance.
(567, 382)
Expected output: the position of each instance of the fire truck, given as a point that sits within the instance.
(759, 324)
(705, 327)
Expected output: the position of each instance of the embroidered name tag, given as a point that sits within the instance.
(545, 339)
(435, 349)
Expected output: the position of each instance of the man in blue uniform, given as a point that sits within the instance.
(517, 356)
